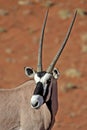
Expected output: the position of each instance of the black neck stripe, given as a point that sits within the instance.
(49, 105)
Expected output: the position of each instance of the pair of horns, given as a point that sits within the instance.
(51, 66)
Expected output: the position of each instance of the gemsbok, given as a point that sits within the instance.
(34, 104)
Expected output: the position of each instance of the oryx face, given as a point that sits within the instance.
(42, 91)
(43, 79)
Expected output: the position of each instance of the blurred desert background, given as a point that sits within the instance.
(20, 27)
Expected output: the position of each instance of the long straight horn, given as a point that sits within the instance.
(39, 65)
(50, 68)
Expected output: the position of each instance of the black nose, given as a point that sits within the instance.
(35, 104)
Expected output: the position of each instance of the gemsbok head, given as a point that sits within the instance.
(34, 104)
(44, 79)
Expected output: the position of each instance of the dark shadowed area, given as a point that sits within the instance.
(20, 27)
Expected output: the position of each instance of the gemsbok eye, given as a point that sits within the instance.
(48, 81)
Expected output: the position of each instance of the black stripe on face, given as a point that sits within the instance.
(47, 90)
(39, 89)
(41, 74)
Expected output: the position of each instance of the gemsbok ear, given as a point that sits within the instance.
(29, 72)
(55, 73)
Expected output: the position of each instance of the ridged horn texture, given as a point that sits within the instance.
(50, 68)
(39, 65)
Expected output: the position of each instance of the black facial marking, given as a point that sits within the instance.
(39, 89)
(47, 90)
(41, 74)
(48, 81)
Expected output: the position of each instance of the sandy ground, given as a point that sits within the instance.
(20, 27)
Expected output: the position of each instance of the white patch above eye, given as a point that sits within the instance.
(45, 78)
(36, 78)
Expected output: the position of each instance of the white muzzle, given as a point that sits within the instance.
(36, 101)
